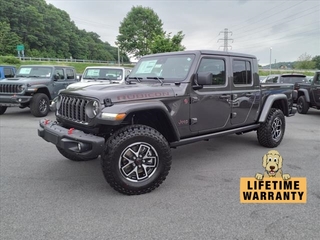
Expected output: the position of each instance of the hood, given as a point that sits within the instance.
(31, 81)
(89, 83)
(123, 92)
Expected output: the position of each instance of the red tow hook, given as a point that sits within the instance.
(70, 131)
(46, 121)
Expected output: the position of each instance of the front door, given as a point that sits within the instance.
(60, 81)
(245, 92)
(209, 106)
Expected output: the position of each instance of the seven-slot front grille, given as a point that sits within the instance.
(73, 108)
(10, 88)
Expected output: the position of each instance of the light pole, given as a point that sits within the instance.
(270, 58)
(118, 56)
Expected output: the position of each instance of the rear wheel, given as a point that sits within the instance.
(271, 132)
(136, 160)
(302, 105)
(3, 109)
(39, 105)
(74, 157)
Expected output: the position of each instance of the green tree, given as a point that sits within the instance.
(166, 43)
(304, 62)
(47, 31)
(316, 60)
(137, 30)
(8, 40)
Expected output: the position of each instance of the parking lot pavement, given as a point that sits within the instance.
(45, 196)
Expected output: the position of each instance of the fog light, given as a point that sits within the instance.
(79, 147)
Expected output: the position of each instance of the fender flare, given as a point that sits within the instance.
(305, 93)
(130, 108)
(268, 104)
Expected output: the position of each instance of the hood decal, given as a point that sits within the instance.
(136, 96)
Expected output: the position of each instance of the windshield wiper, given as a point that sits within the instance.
(157, 78)
(135, 78)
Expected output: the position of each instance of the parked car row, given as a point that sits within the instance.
(308, 88)
(35, 86)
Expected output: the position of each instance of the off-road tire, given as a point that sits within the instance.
(73, 157)
(3, 109)
(39, 105)
(302, 105)
(130, 138)
(271, 132)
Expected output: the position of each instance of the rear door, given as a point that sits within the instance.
(245, 93)
(209, 106)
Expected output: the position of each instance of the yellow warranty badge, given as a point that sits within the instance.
(273, 190)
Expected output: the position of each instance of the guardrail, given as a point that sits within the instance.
(67, 60)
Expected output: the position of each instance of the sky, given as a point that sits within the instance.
(278, 30)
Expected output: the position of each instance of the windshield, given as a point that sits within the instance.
(103, 74)
(34, 72)
(174, 67)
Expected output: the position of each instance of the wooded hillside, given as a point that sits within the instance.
(46, 31)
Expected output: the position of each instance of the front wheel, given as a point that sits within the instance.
(2, 110)
(303, 105)
(271, 132)
(136, 160)
(39, 105)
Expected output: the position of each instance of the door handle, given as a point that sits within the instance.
(224, 96)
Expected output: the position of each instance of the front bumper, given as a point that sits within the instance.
(13, 100)
(72, 140)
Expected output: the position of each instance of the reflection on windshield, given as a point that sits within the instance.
(103, 74)
(34, 72)
(175, 67)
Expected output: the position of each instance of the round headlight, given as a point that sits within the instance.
(95, 108)
(21, 88)
(92, 109)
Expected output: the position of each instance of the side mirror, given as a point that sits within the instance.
(55, 77)
(204, 78)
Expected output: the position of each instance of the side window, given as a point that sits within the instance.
(8, 73)
(70, 74)
(216, 67)
(317, 80)
(60, 73)
(242, 73)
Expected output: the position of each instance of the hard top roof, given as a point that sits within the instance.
(204, 52)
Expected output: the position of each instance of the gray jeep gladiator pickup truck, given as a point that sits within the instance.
(34, 86)
(308, 94)
(168, 100)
